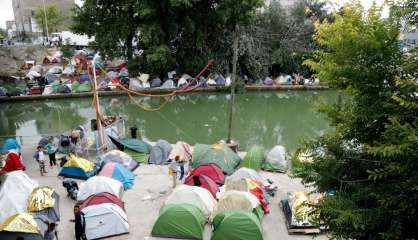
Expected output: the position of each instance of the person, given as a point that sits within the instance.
(172, 170)
(79, 225)
(181, 165)
(51, 153)
(51, 233)
(39, 157)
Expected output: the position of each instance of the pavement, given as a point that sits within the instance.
(143, 201)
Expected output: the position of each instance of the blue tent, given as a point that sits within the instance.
(10, 144)
(118, 172)
(220, 81)
(79, 168)
(156, 83)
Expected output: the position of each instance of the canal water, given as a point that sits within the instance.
(260, 118)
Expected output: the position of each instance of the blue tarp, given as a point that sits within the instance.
(78, 173)
(10, 144)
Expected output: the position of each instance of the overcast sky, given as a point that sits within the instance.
(6, 11)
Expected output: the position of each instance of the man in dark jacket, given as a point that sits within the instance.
(79, 224)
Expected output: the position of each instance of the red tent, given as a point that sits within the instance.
(204, 182)
(102, 198)
(13, 162)
(210, 170)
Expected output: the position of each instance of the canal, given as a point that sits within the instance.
(260, 118)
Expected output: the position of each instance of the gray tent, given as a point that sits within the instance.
(53, 214)
(168, 84)
(160, 152)
(42, 224)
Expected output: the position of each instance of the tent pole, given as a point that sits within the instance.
(233, 83)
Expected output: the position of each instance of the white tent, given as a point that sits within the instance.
(121, 158)
(244, 172)
(99, 184)
(277, 158)
(105, 220)
(14, 194)
(200, 197)
(236, 200)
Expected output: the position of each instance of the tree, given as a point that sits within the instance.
(367, 166)
(54, 18)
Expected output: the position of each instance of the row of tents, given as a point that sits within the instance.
(100, 196)
(27, 209)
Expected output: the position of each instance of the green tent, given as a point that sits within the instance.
(219, 154)
(138, 149)
(137, 156)
(254, 158)
(237, 225)
(179, 221)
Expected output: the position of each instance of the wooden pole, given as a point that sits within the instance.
(97, 105)
(233, 83)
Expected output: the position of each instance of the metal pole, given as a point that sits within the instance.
(96, 103)
(46, 21)
(233, 82)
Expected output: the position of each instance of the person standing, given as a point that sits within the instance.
(79, 224)
(51, 153)
(40, 158)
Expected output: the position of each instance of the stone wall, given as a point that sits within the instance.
(12, 57)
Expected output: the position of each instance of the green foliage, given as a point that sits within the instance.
(370, 161)
(67, 50)
(53, 16)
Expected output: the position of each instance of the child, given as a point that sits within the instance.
(51, 153)
(51, 233)
(39, 157)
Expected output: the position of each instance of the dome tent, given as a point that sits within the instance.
(14, 193)
(100, 198)
(179, 221)
(118, 172)
(13, 161)
(44, 201)
(182, 150)
(138, 149)
(243, 173)
(104, 220)
(120, 157)
(10, 144)
(200, 197)
(236, 201)
(236, 225)
(204, 182)
(24, 226)
(210, 170)
(160, 152)
(99, 184)
(219, 154)
(276, 160)
(78, 167)
(254, 158)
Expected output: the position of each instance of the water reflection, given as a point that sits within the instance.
(263, 119)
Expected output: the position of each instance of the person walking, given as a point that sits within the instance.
(40, 158)
(79, 224)
(51, 153)
(172, 170)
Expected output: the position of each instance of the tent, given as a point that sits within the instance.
(179, 221)
(44, 201)
(204, 182)
(120, 157)
(252, 186)
(168, 84)
(220, 154)
(210, 170)
(99, 184)
(100, 198)
(160, 152)
(276, 160)
(138, 149)
(268, 81)
(15, 190)
(243, 173)
(24, 226)
(236, 200)
(10, 144)
(120, 173)
(254, 158)
(13, 162)
(105, 220)
(155, 83)
(236, 225)
(182, 150)
(64, 145)
(78, 167)
(197, 196)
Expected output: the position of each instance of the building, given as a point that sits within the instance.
(409, 39)
(24, 12)
(11, 28)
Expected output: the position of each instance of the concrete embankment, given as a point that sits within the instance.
(252, 88)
